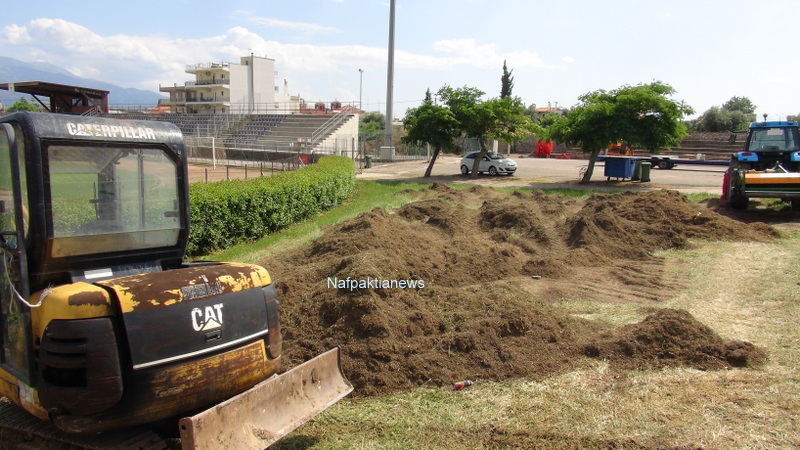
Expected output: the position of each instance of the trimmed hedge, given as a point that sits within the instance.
(228, 212)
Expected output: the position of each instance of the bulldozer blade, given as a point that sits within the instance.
(269, 410)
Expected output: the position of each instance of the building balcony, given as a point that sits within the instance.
(208, 67)
(215, 82)
(194, 101)
(190, 85)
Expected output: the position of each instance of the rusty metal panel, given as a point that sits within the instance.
(171, 390)
(270, 410)
(79, 368)
(183, 313)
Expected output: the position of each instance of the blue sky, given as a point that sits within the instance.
(707, 50)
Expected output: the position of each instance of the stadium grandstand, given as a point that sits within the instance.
(255, 139)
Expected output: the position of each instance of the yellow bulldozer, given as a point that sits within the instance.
(104, 325)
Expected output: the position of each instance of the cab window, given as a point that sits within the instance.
(107, 199)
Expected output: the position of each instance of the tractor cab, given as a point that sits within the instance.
(770, 144)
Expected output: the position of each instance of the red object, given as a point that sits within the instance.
(544, 149)
(462, 384)
(725, 179)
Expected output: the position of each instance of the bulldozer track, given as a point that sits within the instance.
(28, 431)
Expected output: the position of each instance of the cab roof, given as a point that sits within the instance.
(775, 124)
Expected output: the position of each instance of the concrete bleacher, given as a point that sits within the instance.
(199, 125)
(254, 137)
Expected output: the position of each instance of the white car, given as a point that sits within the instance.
(493, 162)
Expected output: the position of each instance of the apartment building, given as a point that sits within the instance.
(222, 87)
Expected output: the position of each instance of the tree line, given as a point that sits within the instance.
(644, 116)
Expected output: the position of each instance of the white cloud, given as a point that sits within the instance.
(84, 72)
(294, 26)
(469, 52)
(149, 60)
(14, 35)
(568, 59)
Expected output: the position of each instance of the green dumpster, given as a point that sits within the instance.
(367, 161)
(646, 166)
(637, 171)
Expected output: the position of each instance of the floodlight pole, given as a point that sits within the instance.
(360, 88)
(387, 137)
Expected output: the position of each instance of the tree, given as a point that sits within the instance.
(371, 124)
(641, 116)
(499, 118)
(22, 105)
(742, 104)
(430, 124)
(507, 82)
(734, 115)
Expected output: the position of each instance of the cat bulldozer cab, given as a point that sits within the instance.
(103, 325)
(769, 166)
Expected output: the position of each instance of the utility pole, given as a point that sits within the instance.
(387, 137)
(360, 87)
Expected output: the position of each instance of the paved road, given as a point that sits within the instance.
(543, 173)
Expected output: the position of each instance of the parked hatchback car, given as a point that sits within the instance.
(493, 162)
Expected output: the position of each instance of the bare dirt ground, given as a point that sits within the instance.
(493, 264)
(209, 174)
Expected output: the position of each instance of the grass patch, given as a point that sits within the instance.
(700, 196)
(366, 196)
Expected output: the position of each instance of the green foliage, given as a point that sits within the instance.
(531, 112)
(506, 81)
(734, 115)
(22, 105)
(499, 118)
(742, 104)
(228, 212)
(503, 119)
(372, 124)
(719, 119)
(642, 116)
(430, 124)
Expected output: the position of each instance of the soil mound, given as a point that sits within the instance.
(669, 338)
(634, 225)
(462, 309)
(436, 336)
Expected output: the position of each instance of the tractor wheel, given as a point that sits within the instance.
(736, 198)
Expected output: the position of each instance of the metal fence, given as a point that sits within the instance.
(217, 152)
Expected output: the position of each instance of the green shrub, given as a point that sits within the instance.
(227, 212)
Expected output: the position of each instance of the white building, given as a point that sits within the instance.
(221, 87)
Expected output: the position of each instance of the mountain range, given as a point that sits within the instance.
(13, 71)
